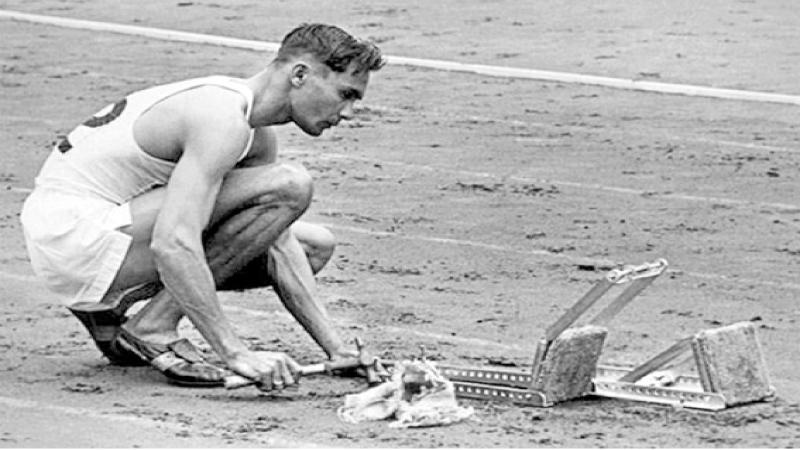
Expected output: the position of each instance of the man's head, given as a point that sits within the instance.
(329, 70)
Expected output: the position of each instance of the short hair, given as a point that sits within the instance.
(332, 46)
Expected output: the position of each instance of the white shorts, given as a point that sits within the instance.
(74, 242)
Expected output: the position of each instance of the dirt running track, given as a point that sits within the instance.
(471, 212)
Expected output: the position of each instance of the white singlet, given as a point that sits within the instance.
(72, 218)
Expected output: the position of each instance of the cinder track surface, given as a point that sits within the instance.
(471, 212)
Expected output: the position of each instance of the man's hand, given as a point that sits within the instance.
(270, 370)
(345, 353)
(347, 356)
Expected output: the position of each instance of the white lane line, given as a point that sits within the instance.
(552, 141)
(747, 145)
(149, 32)
(451, 66)
(571, 184)
(593, 80)
(518, 179)
(466, 243)
(18, 403)
(651, 134)
(572, 259)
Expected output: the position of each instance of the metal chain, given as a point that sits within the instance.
(630, 273)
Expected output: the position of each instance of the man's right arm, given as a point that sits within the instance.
(180, 258)
(212, 140)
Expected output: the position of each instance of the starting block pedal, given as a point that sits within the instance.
(565, 360)
(731, 370)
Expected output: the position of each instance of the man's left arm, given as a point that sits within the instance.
(295, 284)
(290, 269)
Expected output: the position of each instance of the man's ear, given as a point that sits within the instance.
(300, 72)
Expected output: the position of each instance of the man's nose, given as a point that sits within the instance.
(347, 112)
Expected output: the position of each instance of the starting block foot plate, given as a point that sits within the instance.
(570, 363)
(730, 362)
(730, 366)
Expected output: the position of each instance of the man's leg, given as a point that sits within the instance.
(256, 204)
(157, 321)
(232, 244)
(318, 244)
(240, 239)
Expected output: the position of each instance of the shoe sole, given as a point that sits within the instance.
(103, 321)
(167, 362)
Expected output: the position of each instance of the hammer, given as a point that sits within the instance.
(375, 371)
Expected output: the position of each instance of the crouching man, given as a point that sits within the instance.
(175, 192)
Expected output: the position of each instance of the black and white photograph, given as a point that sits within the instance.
(399, 224)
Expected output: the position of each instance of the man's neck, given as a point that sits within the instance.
(270, 97)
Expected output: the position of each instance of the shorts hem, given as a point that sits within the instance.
(114, 257)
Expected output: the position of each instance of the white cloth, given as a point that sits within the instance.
(416, 396)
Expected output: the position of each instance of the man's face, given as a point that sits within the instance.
(325, 97)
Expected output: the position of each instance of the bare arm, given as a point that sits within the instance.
(289, 268)
(211, 131)
(211, 141)
(295, 285)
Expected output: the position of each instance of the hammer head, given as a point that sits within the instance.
(371, 366)
(374, 370)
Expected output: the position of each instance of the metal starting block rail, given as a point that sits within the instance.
(495, 384)
(730, 364)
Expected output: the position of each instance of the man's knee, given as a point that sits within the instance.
(322, 248)
(292, 185)
(317, 241)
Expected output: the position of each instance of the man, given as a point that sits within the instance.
(174, 192)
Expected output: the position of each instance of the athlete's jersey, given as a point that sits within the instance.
(101, 158)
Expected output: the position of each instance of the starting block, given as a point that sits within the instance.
(730, 364)
(565, 360)
(730, 371)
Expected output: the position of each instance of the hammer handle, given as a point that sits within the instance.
(238, 381)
